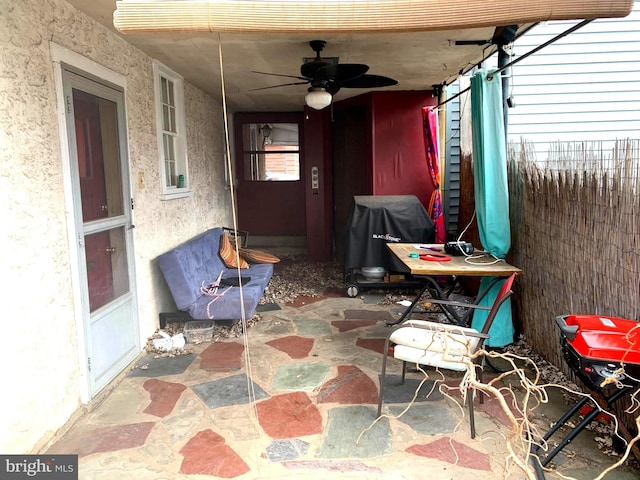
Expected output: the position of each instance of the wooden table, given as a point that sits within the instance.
(485, 266)
(481, 265)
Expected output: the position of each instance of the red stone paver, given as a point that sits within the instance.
(208, 454)
(494, 408)
(289, 415)
(346, 325)
(375, 344)
(294, 346)
(334, 292)
(490, 404)
(455, 453)
(350, 386)
(303, 300)
(105, 439)
(222, 356)
(163, 396)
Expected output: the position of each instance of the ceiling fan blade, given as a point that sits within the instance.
(280, 75)
(369, 81)
(310, 69)
(332, 88)
(341, 72)
(281, 85)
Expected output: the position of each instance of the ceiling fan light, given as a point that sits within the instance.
(317, 98)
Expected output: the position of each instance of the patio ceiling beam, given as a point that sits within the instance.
(354, 16)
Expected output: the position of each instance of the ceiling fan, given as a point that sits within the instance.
(326, 78)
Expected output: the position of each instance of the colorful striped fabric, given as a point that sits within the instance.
(228, 253)
(256, 256)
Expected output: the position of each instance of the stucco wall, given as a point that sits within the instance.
(39, 356)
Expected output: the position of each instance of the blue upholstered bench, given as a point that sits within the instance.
(196, 264)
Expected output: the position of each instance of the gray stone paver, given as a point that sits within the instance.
(154, 366)
(351, 433)
(434, 418)
(397, 392)
(227, 391)
(300, 377)
(286, 450)
(310, 327)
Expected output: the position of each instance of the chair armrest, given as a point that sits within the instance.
(478, 335)
(458, 304)
(443, 327)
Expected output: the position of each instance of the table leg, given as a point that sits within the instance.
(433, 287)
(466, 318)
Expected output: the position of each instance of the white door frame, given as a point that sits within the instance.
(62, 56)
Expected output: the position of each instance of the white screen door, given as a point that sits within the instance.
(102, 211)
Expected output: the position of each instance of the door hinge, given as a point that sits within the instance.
(89, 363)
(132, 204)
(68, 104)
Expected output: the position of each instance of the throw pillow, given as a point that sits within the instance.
(228, 253)
(256, 256)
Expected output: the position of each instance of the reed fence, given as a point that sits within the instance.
(575, 225)
(576, 235)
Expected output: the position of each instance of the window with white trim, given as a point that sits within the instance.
(172, 132)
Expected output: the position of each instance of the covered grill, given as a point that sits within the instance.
(372, 222)
(604, 352)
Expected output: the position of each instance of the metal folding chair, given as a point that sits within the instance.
(442, 346)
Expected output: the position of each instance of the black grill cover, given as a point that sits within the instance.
(373, 221)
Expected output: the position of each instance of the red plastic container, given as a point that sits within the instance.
(602, 338)
(596, 347)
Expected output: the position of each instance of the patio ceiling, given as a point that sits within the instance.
(416, 59)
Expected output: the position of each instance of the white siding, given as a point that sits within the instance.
(583, 87)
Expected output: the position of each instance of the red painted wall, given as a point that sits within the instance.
(396, 165)
(399, 165)
(317, 147)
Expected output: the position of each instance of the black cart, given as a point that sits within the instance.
(374, 221)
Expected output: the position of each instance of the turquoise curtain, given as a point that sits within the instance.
(491, 192)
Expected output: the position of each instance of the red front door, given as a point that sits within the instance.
(270, 173)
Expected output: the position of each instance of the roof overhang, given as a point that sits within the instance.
(216, 45)
(355, 16)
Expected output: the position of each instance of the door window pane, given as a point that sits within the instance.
(107, 271)
(271, 152)
(96, 126)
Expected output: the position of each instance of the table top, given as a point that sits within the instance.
(481, 265)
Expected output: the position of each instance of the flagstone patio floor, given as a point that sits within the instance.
(298, 401)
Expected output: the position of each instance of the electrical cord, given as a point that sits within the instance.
(470, 257)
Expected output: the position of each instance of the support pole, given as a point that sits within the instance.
(504, 56)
